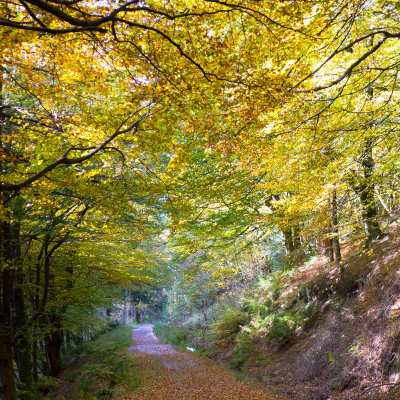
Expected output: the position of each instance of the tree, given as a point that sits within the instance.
(237, 119)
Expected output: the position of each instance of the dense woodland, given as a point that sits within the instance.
(182, 154)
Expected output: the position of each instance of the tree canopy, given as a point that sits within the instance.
(224, 128)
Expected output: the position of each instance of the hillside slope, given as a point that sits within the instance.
(349, 346)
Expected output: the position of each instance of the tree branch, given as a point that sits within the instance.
(349, 70)
(64, 160)
(52, 31)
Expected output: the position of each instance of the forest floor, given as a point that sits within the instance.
(172, 374)
(344, 341)
(350, 349)
(97, 369)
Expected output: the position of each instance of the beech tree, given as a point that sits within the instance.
(236, 118)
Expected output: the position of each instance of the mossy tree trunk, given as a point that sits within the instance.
(366, 188)
(7, 374)
(22, 340)
(335, 229)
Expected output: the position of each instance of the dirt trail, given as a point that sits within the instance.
(177, 375)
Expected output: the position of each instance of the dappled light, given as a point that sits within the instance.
(186, 376)
(226, 172)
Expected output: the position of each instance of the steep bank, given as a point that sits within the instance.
(348, 347)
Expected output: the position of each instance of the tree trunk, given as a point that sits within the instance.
(328, 241)
(335, 229)
(68, 341)
(53, 340)
(289, 243)
(366, 191)
(328, 247)
(7, 376)
(54, 343)
(137, 315)
(21, 342)
(36, 307)
(296, 237)
(125, 311)
(45, 365)
(369, 215)
(34, 356)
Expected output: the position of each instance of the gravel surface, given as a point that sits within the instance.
(176, 375)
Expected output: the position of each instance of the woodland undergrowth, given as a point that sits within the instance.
(319, 329)
(99, 369)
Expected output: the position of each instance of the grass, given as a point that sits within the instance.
(103, 367)
(241, 353)
(180, 336)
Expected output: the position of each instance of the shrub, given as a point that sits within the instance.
(71, 376)
(46, 382)
(228, 325)
(282, 329)
(241, 353)
(108, 361)
(113, 324)
(103, 394)
(85, 386)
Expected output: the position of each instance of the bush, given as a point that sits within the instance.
(104, 394)
(47, 382)
(113, 324)
(228, 325)
(241, 353)
(281, 330)
(71, 376)
(85, 386)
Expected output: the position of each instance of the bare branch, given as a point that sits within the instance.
(49, 30)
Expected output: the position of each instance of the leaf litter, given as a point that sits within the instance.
(172, 374)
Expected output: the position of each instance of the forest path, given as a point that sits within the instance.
(176, 375)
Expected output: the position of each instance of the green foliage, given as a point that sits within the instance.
(355, 349)
(45, 381)
(107, 360)
(104, 394)
(330, 356)
(85, 396)
(71, 376)
(113, 324)
(178, 336)
(182, 336)
(275, 315)
(85, 385)
(259, 358)
(281, 329)
(228, 325)
(241, 353)
(241, 183)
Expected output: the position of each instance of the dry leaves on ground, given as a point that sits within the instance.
(171, 374)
